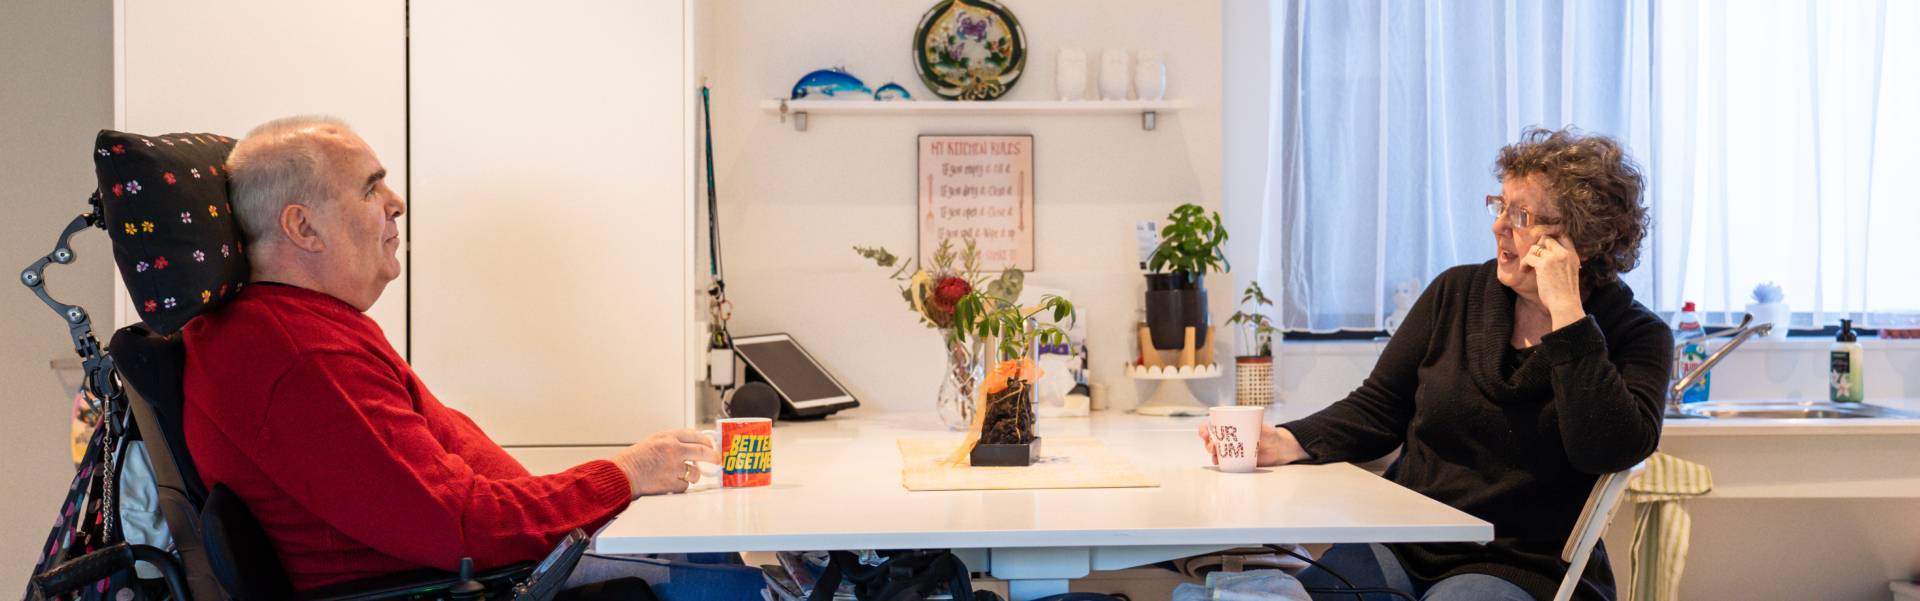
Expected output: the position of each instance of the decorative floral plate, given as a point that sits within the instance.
(969, 49)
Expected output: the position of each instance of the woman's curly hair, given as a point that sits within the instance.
(1596, 188)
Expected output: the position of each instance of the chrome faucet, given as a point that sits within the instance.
(1740, 335)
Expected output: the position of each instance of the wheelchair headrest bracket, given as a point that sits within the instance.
(100, 382)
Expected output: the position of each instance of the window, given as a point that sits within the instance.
(1785, 142)
(1779, 142)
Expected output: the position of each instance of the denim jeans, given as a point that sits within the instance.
(1373, 566)
(706, 577)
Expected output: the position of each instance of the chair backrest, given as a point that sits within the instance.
(1592, 524)
(151, 366)
(242, 556)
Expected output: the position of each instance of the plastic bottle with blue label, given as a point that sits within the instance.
(1687, 331)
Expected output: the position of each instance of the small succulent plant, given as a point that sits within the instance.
(1768, 292)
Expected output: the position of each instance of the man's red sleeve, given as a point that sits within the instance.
(341, 437)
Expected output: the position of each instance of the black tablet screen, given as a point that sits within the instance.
(790, 370)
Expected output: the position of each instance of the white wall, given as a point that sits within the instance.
(56, 89)
(1246, 104)
(550, 234)
(225, 66)
(792, 204)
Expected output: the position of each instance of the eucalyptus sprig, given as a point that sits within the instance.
(989, 316)
(1191, 242)
(918, 285)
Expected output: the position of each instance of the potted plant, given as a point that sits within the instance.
(932, 292)
(1253, 371)
(1190, 246)
(1002, 432)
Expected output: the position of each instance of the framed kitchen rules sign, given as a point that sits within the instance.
(978, 188)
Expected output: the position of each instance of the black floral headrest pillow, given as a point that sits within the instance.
(174, 234)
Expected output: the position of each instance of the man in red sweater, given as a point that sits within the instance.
(296, 401)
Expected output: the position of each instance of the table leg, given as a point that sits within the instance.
(1035, 572)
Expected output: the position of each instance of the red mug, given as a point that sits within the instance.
(746, 451)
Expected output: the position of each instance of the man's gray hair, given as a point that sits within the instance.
(273, 167)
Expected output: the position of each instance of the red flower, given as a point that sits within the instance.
(119, 189)
(169, 177)
(151, 306)
(160, 263)
(215, 169)
(947, 293)
(119, 148)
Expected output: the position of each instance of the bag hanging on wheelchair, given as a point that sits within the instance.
(90, 519)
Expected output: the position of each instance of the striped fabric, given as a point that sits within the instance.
(1661, 524)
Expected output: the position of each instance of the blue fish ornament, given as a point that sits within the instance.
(892, 91)
(831, 84)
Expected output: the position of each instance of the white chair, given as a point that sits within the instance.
(1606, 496)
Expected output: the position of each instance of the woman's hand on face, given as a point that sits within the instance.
(1277, 446)
(1556, 272)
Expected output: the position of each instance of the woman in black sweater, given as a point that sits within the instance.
(1512, 385)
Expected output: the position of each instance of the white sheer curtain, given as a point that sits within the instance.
(1387, 118)
(1786, 146)
(1781, 140)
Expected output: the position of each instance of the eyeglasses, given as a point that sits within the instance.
(1519, 217)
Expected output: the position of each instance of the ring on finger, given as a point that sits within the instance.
(686, 475)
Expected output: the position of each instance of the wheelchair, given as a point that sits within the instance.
(219, 551)
(139, 522)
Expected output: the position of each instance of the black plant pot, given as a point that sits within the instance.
(1178, 280)
(1006, 434)
(1175, 302)
(1005, 455)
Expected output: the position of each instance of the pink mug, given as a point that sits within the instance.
(1235, 431)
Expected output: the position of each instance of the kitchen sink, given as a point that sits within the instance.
(1783, 410)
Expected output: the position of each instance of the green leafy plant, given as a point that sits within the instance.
(1253, 323)
(1191, 242)
(1015, 327)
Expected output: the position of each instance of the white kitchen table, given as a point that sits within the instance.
(836, 485)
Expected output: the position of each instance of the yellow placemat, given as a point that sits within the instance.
(1065, 462)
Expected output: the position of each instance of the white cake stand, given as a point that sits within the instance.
(1172, 397)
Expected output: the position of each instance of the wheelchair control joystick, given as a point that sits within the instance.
(468, 588)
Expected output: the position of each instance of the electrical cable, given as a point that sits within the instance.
(719, 309)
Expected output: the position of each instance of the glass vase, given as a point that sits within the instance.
(966, 365)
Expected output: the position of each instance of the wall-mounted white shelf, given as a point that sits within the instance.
(1148, 110)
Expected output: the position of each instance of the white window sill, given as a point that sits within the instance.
(1799, 344)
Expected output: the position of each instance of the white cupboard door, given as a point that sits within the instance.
(551, 215)
(225, 66)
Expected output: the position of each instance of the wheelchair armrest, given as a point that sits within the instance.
(406, 585)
